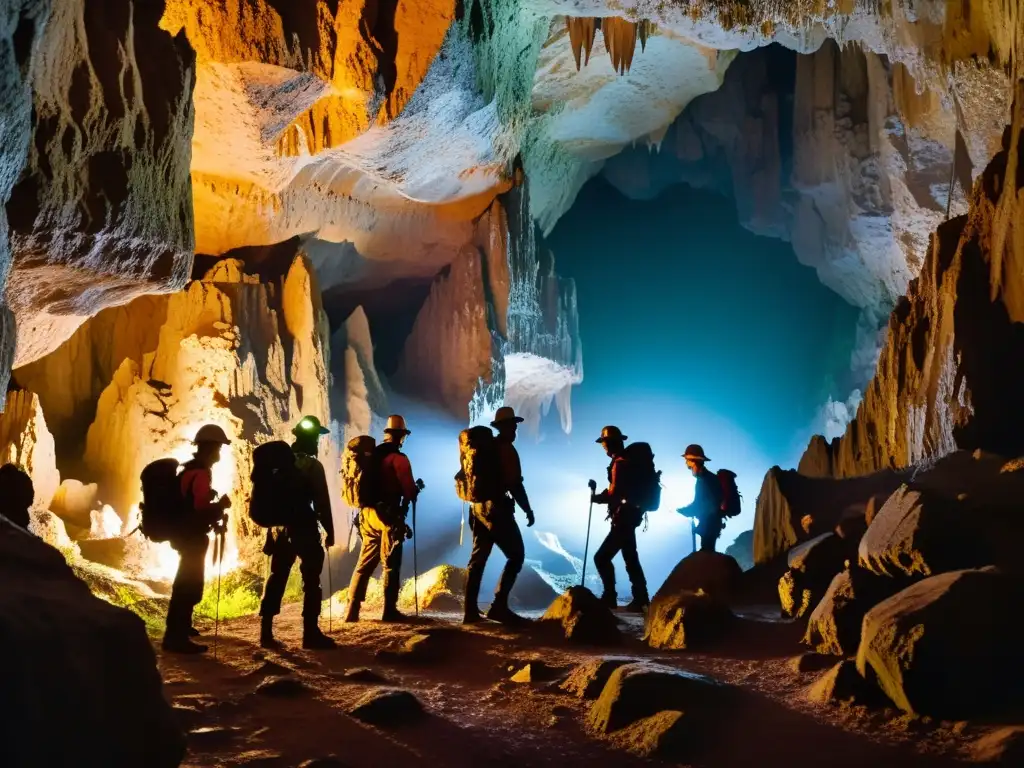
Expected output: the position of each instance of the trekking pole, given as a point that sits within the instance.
(693, 533)
(330, 592)
(218, 552)
(586, 547)
(415, 565)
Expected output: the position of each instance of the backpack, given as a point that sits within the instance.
(163, 506)
(731, 498)
(644, 481)
(479, 478)
(278, 486)
(360, 473)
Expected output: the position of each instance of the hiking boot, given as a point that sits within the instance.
(609, 601)
(352, 614)
(393, 615)
(193, 632)
(182, 645)
(636, 606)
(267, 639)
(472, 617)
(500, 612)
(315, 640)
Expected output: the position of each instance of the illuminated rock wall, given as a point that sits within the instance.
(26, 441)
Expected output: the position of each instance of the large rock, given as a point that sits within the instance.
(636, 691)
(948, 645)
(76, 663)
(686, 620)
(583, 618)
(716, 574)
(835, 623)
(843, 683)
(812, 566)
(792, 508)
(742, 550)
(587, 680)
(26, 441)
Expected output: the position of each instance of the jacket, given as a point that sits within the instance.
(316, 483)
(707, 500)
(512, 473)
(397, 487)
(617, 492)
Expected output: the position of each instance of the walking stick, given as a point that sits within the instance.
(415, 565)
(693, 533)
(586, 547)
(218, 553)
(330, 591)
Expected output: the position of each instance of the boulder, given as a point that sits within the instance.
(811, 662)
(422, 647)
(583, 618)
(948, 646)
(742, 550)
(587, 680)
(853, 525)
(75, 663)
(535, 672)
(844, 684)
(637, 691)
(685, 620)
(387, 706)
(362, 675)
(440, 589)
(281, 686)
(792, 508)
(663, 735)
(834, 624)
(109, 552)
(1001, 746)
(716, 574)
(812, 566)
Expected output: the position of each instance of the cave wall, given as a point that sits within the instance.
(949, 375)
(26, 441)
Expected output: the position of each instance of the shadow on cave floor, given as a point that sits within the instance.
(477, 716)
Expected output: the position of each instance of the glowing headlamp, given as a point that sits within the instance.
(306, 424)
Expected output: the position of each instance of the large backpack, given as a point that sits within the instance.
(163, 505)
(479, 477)
(731, 498)
(643, 480)
(278, 487)
(360, 473)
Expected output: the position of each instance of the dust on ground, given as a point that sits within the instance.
(477, 716)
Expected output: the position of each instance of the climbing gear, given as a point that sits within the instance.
(360, 473)
(479, 477)
(506, 414)
(278, 488)
(396, 425)
(211, 433)
(586, 546)
(310, 425)
(694, 452)
(611, 433)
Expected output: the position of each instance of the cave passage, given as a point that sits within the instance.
(695, 330)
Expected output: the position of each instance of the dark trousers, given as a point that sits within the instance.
(381, 545)
(284, 546)
(621, 538)
(709, 530)
(189, 581)
(494, 523)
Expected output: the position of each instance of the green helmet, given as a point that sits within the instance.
(310, 425)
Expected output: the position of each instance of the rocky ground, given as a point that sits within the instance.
(291, 708)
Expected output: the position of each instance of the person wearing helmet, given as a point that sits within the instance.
(382, 527)
(193, 538)
(494, 523)
(301, 540)
(705, 509)
(16, 494)
(625, 518)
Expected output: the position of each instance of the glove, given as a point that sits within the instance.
(330, 540)
(529, 519)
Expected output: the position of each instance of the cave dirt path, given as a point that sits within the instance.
(478, 717)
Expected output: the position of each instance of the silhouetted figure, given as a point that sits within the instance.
(625, 519)
(203, 512)
(16, 494)
(382, 527)
(301, 539)
(494, 523)
(706, 508)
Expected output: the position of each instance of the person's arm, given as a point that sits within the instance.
(403, 472)
(322, 500)
(204, 500)
(512, 477)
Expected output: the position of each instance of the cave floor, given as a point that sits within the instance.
(478, 717)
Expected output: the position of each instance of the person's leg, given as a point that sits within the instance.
(482, 546)
(282, 558)
(509, 540)
(637, 580)
(605, 568)
(309, 547)
(186, 593)
(369, 558)
(392, 541)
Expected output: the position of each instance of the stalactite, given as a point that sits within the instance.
(644, 29)
(620, 40)
(582, 30)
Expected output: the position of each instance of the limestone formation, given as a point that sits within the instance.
(947, 646)
(75, 660)
(96, 163)
(812, 565)
(357, 397)
(26, 441)
(684, 620)
(583, 618)
(834, 624)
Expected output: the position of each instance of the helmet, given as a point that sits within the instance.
(506, 413)
(211, 433)
(694, 452)
(611, 433)
(396, 425)
(310, 425)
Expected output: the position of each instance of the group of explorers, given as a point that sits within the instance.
(290, 499)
